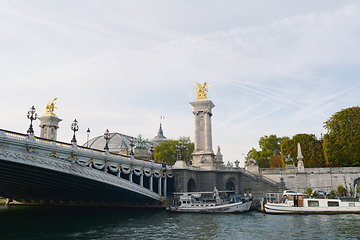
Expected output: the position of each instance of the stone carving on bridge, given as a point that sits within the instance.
(251, 165)
(250, 162)
(289, 161)
(201, 90)
(140, 142)
(50, 107)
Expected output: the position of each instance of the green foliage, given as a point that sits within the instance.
(308, 191)
(275, 162)
(270, 146)
(167, 151)
(341, 189)
(311, 150)
(342, 141)
(332, 193)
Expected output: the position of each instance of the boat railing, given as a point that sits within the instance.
(273, 198)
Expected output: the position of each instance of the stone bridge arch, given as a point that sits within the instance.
(231, 182)
(191, 186)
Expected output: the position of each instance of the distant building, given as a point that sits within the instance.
(159, 137)
(120, 143)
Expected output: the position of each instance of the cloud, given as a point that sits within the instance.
(278, 68)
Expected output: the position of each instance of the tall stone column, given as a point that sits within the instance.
(203, 154)
(48, 126)
(49, 122)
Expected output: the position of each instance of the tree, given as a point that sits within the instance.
(308, 191)
(341, 189)
(342, 140)
(167, 151)
(311, 150)
(275, 162)
(270, 146)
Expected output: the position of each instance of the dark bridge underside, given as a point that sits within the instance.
(31, 184)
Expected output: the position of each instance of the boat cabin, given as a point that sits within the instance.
(293, 199)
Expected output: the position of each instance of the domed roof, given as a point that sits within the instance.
(116, 142)
(159, 137)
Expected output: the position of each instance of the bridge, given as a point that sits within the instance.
(36, 170)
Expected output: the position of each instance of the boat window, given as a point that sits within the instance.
(351, 204)
(313, 203)
(333, 204)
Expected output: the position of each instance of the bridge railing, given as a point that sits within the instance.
(104, 161)
(13, 135)
(59, 144)
(94, 155)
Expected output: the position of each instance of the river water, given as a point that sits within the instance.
(29, 222)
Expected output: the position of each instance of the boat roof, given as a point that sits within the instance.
(182, 193)
(286, 194)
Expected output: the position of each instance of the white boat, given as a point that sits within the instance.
(299, 203)
(197, 202)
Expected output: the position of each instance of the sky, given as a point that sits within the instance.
(275, 67)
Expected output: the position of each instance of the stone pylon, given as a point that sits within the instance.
(203, 154)
(49, 125)
(49, 122)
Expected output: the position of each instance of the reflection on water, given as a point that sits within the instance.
(25, 222)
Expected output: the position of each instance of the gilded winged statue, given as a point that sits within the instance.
(50, 107)
(201, 90)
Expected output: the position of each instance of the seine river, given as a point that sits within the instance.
(24, 222)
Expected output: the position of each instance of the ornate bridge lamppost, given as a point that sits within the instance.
(88, 136)
(151, 151)
(107, 138)
(180, 147)
(132, 145)
(31, 115)
(75, 128)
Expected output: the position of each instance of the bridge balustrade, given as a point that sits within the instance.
(91, 163)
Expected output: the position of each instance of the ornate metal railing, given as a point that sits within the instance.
(112, 167)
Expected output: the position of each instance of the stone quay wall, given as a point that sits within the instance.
(326, 179)
(196, 180)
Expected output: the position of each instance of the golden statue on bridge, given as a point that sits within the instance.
(201, 90)
(50, 107)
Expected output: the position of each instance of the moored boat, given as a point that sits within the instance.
(299, 203)
(199, 203)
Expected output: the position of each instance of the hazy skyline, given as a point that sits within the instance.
(275, 67)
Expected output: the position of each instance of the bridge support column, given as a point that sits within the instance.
(160, 185)
(151, 182)
(165, 187)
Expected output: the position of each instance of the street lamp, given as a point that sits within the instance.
(179, 147)
(107, 138)
(75, 128)
(152, 151)
(32, 115)
(132, 144)
(88, 135)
